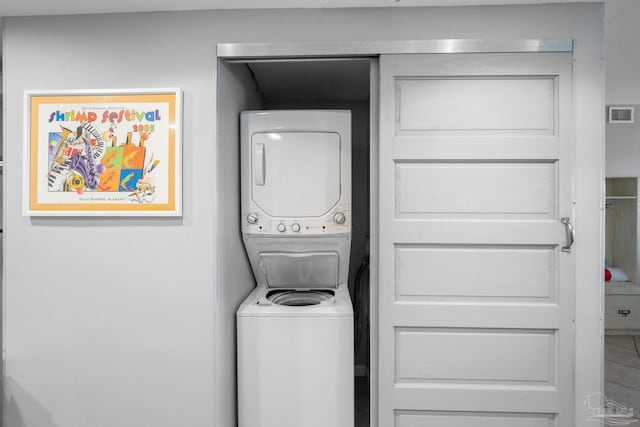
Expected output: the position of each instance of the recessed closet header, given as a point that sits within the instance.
(368, 48)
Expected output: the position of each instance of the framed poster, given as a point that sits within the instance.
(103, 153)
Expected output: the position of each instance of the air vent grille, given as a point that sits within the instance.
(620, 114)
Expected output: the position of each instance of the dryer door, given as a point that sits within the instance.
(295, 174)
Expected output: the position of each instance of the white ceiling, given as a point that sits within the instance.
(74, 7)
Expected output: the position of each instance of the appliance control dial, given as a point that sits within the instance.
(252, 218)
(295, 227)
(281, 227)
(339, 218)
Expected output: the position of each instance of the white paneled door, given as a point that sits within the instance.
(476, 294)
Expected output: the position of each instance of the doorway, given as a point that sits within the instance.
(622, 261)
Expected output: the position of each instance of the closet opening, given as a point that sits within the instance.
(342, 83)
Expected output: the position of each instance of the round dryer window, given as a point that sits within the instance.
(295, 298)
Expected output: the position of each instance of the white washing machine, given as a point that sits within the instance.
(295, 330)
(295, 362)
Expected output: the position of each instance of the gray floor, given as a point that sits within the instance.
(622, 370)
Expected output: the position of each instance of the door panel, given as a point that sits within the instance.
(472, 104)
(494, 273)
(476, 296)
(471, 419)
(518, 190)
(477, 356)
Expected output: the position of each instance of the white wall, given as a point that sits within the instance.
(622, 51)
(623, 146)
(236, 92)
(97, 338)
(109, 322)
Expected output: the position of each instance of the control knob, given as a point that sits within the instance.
(252, 218)
(281, 227)
(295, 227)
(339, 218)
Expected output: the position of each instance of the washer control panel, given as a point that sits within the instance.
(337, 221)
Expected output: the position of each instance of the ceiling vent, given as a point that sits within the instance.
(620, 114)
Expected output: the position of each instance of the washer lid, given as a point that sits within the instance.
(300, 269)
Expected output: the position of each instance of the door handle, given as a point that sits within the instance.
(571, 233)
(258, 165)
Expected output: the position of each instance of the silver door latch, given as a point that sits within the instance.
(571, 233)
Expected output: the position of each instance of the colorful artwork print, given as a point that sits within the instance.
(79, 161)
(104, 153)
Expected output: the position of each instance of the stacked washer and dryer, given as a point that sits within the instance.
(295, 330)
